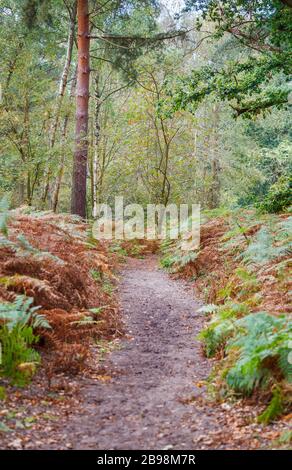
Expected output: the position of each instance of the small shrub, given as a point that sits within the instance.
(278, 197)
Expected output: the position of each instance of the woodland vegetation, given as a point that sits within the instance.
(160, 102)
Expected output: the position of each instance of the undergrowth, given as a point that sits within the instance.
(242, 267)
(56, 293)
(18, 323)
(261, 342)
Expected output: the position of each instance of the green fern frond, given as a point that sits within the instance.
(262, 342)
(274, 409)
(210, 308)
(284, 229)
(18, 320)
(261, 249)
(21, 313)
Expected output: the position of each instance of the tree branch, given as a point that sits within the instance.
(142, 39)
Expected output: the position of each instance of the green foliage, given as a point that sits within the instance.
(221, 326)
(166, 245)
(175, 257)
(4, 427)
(234, 83)
(133, 25)
(263, 247)
(249, 285)
(107, 285)
(18, 320)
(167, 262)
(18, 353)
(4, 216)
(96, 275)
(279, 196)
(216, 335)
(184, 259)
(262, 344)
(284, 229)
(21, 313)
(268, 31)
(178, 260)
(285, 437)
(134, 249)
(97, 310)
(275, 407)
(2, 393)
(272, 17)
(225, 292)
(254, 346)
(210, 308)
(35, 11)
(86, 321)
(128, 125)
(116, 248)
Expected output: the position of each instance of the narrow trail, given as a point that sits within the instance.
(153, 396)
(146, 404)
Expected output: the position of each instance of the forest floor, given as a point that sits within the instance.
(148, 392)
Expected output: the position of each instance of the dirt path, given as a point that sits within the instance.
(154, 398)
(154, 373)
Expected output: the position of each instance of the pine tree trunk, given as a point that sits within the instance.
(78, 199)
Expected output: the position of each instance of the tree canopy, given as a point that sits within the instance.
(253, 82)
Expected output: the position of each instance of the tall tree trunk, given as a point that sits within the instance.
(96, 164)
(21, 192)
(25, 147)
(214, 193)
(61, 93)
(78, 199)
(90, 166)
(215, 188)
(65, 74)
(58, 182)
(28, 189)
(57, 185)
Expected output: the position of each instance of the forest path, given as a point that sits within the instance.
(146, 405)
(147, 393)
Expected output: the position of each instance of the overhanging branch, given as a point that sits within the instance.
(138, 40)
